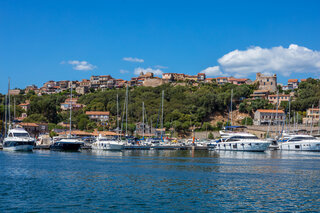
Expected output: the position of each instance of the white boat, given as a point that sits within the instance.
(18, 139)
(239, 141)
(300, 143)
(104, 143)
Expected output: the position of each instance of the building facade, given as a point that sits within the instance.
(267, 82)
(266, 116)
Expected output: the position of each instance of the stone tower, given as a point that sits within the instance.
(267, 82)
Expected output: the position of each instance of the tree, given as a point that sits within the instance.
(247, 121)
(210, 136)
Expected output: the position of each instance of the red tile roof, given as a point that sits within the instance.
(293, 80)
(270, 111)
(97, 113)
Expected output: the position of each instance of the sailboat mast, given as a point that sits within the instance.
(319, 118)
(5, 115)
(118, 115)
(277, 119)
(311, 127)
(289, 115)
(143, 119)
(70, 109)
(14, 108)
(231, 107)
(127, 111)
(9, 114)
(162, 113)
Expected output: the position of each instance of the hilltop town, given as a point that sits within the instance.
(94, 99)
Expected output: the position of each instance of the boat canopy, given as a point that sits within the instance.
(235, 127)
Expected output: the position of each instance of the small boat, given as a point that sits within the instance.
(18, 139)
(104, 143)
(300, 143)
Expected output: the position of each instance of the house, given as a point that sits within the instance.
(14, 92)
(293, 84)
(222, 80)
(282, 97)
(68, 103)
(239, 81)
(98, 115)
(260, 94)
(25, 105)
(201, 76)
(266, 116)
(31, 128)
(312, 116)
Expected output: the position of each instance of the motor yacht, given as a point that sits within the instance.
(300, 143)
(105, 143)
(18, 139)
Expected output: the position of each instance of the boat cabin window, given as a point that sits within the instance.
(237, 138)
(10, 135)
(302, 138)
(21, 135)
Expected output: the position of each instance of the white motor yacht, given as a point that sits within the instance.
(18, 139)
(240, 141)
(300, 143)
(104, 143)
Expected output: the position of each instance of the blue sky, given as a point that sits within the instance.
(50, 40)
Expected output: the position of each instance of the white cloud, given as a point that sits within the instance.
(80, 65)
(124, 71)
(160, 67)
(294, 59)
(130, 59)
(213, 71)
(285, 61)
(138, 70)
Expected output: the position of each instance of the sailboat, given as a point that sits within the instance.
(16, 139)
(70, 143)
(105, 143)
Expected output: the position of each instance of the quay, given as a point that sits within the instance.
(135, 147)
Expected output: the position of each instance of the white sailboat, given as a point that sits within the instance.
(105, 143)
(16, 139)
(70, 143)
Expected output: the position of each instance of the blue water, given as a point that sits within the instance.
(166, 181)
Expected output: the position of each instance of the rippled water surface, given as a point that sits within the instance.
(192, 181)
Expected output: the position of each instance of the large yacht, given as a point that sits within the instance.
(67, 144)
(300, 143)
(105, 143)
(240, 141)
(18, 139)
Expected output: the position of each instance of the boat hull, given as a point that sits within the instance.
(114, 147)
(73, 147)
(242, 146)
(18, 148)
(300, 146)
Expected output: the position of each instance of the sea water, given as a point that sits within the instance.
(159, 181)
